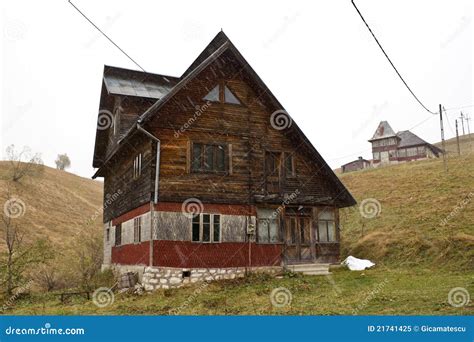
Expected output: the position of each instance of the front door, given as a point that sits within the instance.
(297, 239)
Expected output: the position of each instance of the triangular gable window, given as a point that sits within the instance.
(215, 95)
(229, 97)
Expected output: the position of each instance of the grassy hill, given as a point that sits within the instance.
(426, 215)
(57, 203)
(419, 259)
(466, 144)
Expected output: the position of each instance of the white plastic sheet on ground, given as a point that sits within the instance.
(355, 264)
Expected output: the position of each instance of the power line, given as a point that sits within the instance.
(388, 58)
(447, 119)
(110, 40)
(466, 106)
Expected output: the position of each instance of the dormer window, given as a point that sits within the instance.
(222, 93)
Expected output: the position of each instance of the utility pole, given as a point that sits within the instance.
(462, 123)
(457, 138)
(442, 137)
(469, 132)
(467, 121)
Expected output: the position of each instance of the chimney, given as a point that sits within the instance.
(360, 158)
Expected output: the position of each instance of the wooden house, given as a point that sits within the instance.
(389, 147)
(358, 164)
(207, 171)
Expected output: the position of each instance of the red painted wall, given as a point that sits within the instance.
(226, 254)
(131, 254)
(186, 254)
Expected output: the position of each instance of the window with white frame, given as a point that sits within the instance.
(137, 230)
(137, 166)
(267, 226)
(327, 226)
(206, 228)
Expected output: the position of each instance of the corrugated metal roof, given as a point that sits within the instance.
(126, 82)
(383, 131)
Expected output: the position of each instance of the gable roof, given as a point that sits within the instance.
(220, 44)
(408, 139)
(383, 131)
(360, 159)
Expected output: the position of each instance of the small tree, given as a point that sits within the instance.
(85, 256)
(23, 163)
(19, 255)
(62, 162)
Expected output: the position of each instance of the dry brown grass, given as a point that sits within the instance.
(415, 198)
(58, 204)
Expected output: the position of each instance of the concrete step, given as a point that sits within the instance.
(310, 269)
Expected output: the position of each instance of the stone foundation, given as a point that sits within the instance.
(166, 277)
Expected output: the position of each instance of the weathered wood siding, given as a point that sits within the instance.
(247, 133)
(119, 176)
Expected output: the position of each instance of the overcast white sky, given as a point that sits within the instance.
(317, 57)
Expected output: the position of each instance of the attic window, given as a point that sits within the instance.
(221, 93)
(213, 95)
(229, 97)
